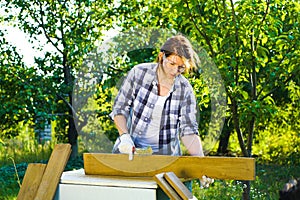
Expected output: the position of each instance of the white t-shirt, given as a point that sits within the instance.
(151, 137)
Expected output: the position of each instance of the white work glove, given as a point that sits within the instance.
(205, 181)
(126, 145)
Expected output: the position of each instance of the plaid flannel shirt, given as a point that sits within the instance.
(136, 100)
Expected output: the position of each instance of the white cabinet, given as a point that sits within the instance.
(75, 185)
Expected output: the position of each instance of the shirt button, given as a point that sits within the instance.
(151, 105)
(146, 119)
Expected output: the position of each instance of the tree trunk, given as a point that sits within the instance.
(224, 138)
(246, 153)
(72, 131)
(72, 137)
(236, 122)
(246, 190)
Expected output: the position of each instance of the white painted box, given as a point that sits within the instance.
(76, 185)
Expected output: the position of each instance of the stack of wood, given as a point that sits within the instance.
(290, 191)
(41, 180)
(173, 187)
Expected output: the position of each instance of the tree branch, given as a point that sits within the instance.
(279, 63)
(237, 42)
(44, 29)
(237, 127)
(198, 29)
(224, 7)
(253, 80)
(217, 8)
(266, 12)
(284, 83)
(69, 105)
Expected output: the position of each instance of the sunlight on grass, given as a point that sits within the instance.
(269, 180)
(24, 148)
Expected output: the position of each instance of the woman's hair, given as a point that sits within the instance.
(181, 46)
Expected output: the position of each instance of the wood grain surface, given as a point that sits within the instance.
(54, 169)
(32, 179)
(225, 168)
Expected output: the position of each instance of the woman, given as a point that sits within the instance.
(156, 105)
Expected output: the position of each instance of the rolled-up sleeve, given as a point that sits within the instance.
(125, 96)
(188, 112)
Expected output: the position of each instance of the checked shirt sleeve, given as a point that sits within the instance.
(188, 112)
(125, 96)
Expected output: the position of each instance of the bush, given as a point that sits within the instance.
(9, 179)
(277, 145)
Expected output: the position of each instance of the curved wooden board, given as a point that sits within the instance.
(139, 164)
(183, 166)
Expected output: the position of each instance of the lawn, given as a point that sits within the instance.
(269, 180)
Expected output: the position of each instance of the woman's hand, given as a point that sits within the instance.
(126, 145)
(205, 181)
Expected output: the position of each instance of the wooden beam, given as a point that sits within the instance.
(32, 179)
(178, 186)
(55, 167)
(166, 187)
(226, 168)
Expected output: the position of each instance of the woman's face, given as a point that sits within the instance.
(173, 65)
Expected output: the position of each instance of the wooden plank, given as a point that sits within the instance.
(178, 186)
(55, 167)
(226, 168)
(166, 187)
(31, 181)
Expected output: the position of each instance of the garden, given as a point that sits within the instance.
(59, 79)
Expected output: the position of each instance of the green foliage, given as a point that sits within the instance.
(24, 144)
(72, 28)
(278, 141)
(279, 145)
(106, 101)
(204, 103)
(96, 135)
(19, 99)
(269, 180)
(9, 188)
(252, 43)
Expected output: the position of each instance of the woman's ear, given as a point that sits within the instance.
(160, 57)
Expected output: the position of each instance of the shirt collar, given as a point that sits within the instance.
(153, 68)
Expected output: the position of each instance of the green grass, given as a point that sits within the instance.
(24, 148)
(10, 187)
(269, 180)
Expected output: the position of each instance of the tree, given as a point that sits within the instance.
(253, 44)
(16, 93)
(256, 51)
(71, 27)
